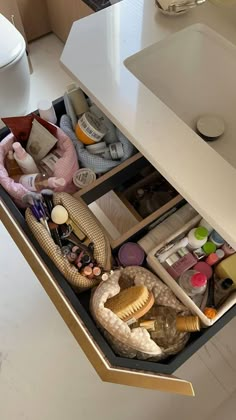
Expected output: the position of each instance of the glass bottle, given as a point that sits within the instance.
(165, 326)
(37, 182)
(193, 282)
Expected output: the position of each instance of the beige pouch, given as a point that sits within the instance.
(80, 214)
(137, 342)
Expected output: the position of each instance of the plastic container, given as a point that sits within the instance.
(209, 248)
(83, 177)
(131, 254)
(193, 282)
(216, 239)
(90, 129)
(197, 237)
(203, 267)
(24, 160)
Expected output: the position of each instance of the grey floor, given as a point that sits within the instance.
(43, 372)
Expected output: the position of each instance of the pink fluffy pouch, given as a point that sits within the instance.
(65, 167)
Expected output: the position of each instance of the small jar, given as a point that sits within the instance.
(216, 239)
(228, 250)
(197, 237)
(90, 129)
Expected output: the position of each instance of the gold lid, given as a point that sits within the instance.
(187, 323)
(148, 325)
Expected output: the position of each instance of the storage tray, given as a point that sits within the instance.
(160, 270)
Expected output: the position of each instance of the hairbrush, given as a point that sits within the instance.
(133, 302)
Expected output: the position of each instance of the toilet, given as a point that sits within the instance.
(14, 71)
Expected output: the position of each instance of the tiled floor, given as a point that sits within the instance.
(43, 372)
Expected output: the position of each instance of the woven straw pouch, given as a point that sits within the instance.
(137, 342)
(85, 220)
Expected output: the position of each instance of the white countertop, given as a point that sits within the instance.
(94, 53)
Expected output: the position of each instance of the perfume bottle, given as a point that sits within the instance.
(38, 181)
(165, 326)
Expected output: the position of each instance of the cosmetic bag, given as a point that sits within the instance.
(137, 342)
(65, 167)
(80, 214)
(97, 164)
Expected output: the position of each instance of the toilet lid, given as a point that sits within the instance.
(12, 42)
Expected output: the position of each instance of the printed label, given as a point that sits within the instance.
(28, 181)
(89, 123)
(50, 161)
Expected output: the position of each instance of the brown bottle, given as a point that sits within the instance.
(38, 182)
(11, 165)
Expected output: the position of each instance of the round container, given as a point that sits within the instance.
(116, 150)
(220, 254)
(203, 267)
(131, 254)
(197, 237)
(97, 148)
(228, 250)
(216, 239)
(90, 129)
(209, 248)
(212, 259)
(83, 177)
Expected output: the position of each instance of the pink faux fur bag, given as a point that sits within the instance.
(65, 166)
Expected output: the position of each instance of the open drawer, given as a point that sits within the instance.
(112, 199)
(74, 308)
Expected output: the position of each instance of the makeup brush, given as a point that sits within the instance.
(48, 199)
(30, 200)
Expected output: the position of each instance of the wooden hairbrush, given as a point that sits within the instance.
(133, 302)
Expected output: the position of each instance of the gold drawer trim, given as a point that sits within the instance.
(102, 366)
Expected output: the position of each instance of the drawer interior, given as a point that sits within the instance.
(120, 210)
(110, 184)
(80, 304)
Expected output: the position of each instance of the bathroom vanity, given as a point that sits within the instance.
(102, 66)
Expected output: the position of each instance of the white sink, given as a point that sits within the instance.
(194, 73)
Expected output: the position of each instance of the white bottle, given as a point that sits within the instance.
(197, 237)
(24, 160)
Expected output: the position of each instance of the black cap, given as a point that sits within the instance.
(226, 284)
